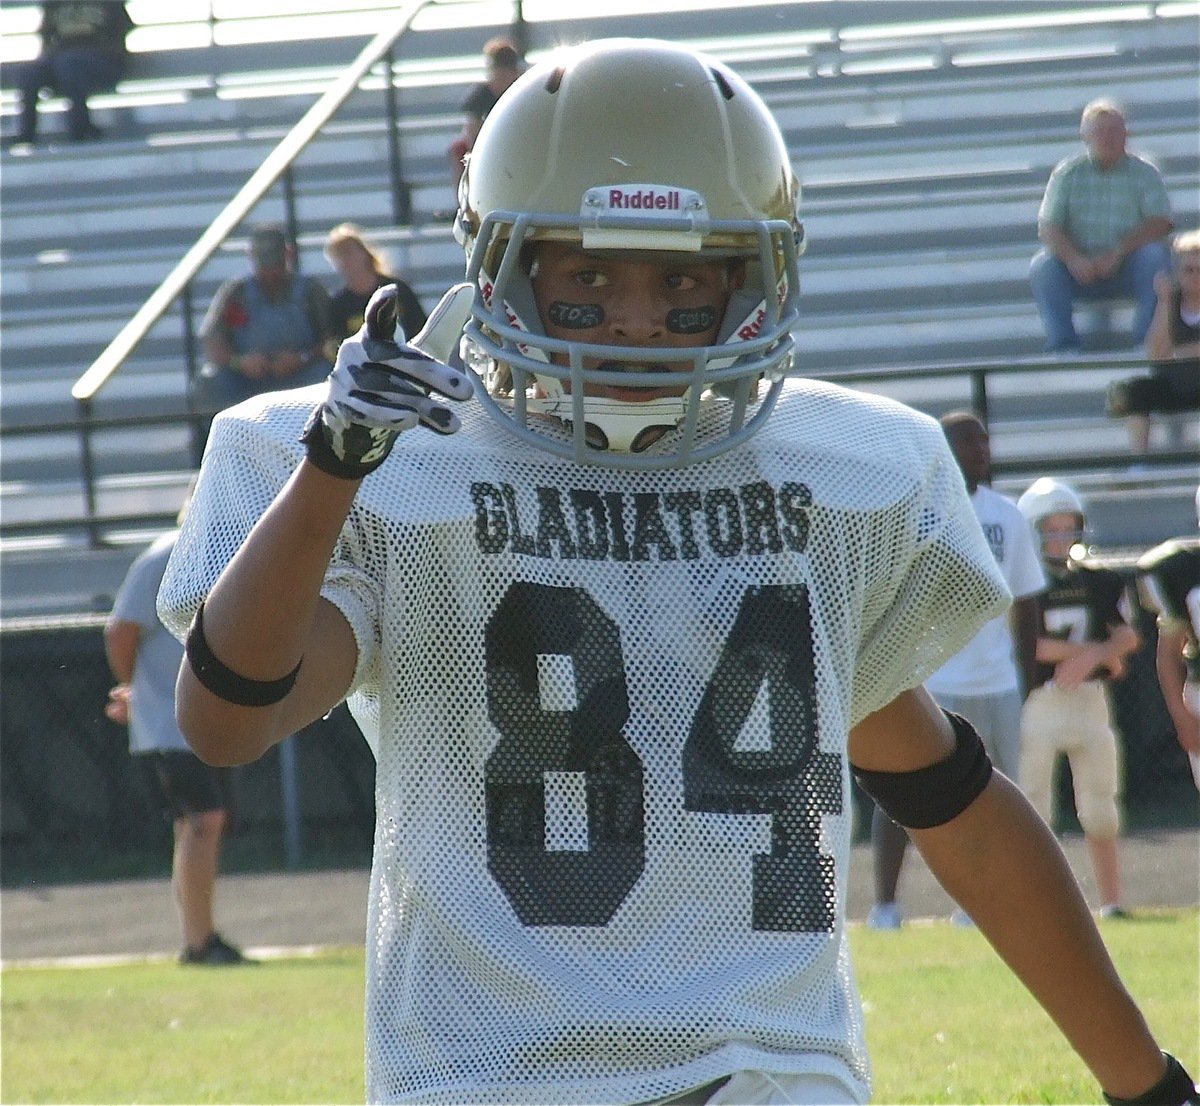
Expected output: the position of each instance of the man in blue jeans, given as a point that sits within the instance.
(1102, 223)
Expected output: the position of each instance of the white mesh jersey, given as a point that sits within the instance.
(610, 713)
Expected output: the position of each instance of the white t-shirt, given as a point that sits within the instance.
(988, 665)
(610, 713)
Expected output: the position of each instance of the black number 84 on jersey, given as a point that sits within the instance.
(770, 645)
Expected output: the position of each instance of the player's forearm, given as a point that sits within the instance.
(1003, 865)
(260, 620)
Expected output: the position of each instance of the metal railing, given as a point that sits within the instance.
(978, 378)
(277, 167)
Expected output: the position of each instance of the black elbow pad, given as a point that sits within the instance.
(933, 795)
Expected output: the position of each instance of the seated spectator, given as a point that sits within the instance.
(1173, 346)
(265, 331)
(83, 52)
(364, 270)
(504, 65)
(1102, 223)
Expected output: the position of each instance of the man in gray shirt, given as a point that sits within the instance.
(1102, 223)
(145, 659)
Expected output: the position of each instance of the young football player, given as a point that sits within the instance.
(1169, 585)
(618, 629)
(1083, 645)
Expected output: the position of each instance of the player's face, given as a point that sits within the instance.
(604, 299)
(1059, 533)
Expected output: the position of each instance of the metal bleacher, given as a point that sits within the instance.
(923, 149)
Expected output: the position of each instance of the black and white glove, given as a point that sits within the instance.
(380, 387)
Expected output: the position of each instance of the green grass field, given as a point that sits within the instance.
(946, 1023)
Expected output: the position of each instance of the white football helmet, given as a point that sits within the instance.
(630, 145)
(1047, 496)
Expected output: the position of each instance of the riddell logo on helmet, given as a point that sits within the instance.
(752, 327)
(646, 199)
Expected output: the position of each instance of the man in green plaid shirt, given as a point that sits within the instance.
(1102, 223)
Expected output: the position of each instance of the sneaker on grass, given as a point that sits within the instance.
(885, 915)
(216, 952)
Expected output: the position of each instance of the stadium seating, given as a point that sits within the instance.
(923, 151)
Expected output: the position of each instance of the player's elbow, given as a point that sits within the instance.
(219, 733)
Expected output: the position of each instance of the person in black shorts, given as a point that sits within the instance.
(1173, 346)
(145, 658)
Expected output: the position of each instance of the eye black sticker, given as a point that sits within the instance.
(691, 320)
(576, 316)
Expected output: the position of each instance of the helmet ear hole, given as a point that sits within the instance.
(722, 83)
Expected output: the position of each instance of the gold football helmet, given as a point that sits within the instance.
(647, 149)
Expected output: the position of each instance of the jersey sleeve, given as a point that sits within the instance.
(253, 450)
(1164, 583)
(943, 587)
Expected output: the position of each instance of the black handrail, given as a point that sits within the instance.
(272, 168)
(977, 374)
(277, 166)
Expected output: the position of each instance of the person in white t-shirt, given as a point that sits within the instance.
(988, 679)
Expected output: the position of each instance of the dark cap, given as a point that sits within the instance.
(268, 246)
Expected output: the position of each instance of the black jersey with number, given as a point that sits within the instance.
(1081, 604)
(1169, 585)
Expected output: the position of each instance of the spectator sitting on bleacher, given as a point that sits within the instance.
(364, 270)
(1173, 347)
(83, 52)
(1102, 222)
(265, 331)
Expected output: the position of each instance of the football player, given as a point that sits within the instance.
(1083, 645)
(1169, 584)
(618, 628)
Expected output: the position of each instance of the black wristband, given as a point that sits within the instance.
(226, 684)
(315, 437)
(1175, 1088)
